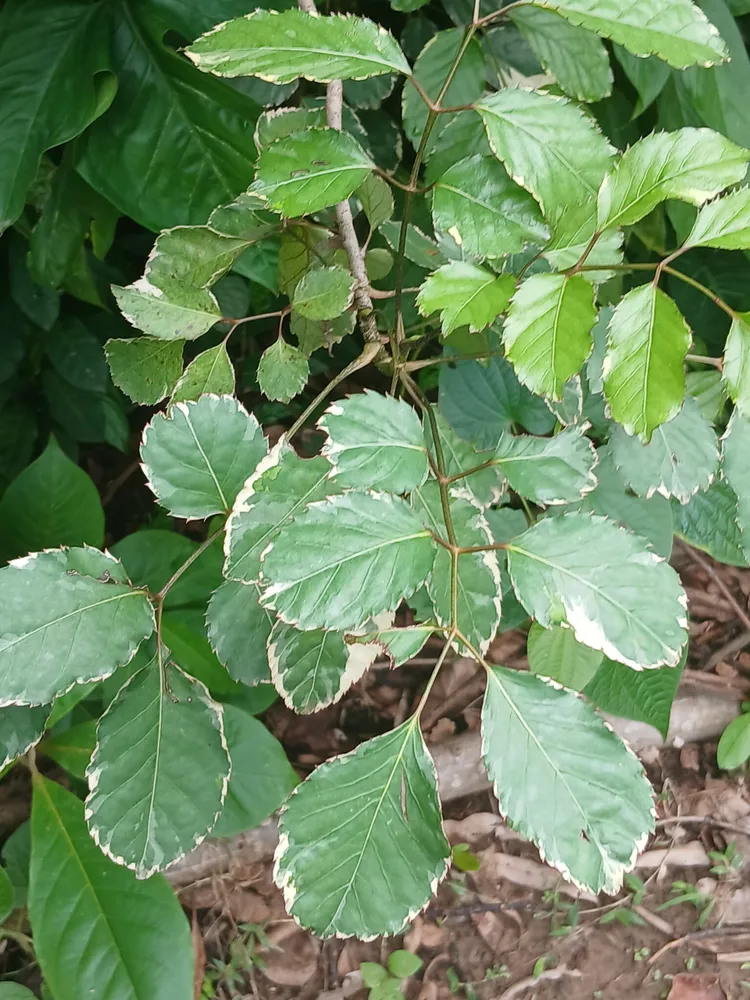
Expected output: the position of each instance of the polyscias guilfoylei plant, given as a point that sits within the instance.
(448, 508)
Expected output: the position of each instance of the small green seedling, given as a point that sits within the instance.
(386, 982)
(685, 892)
(728, 862)
(463, 858)
(734, 745)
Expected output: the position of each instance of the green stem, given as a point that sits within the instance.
(433, 676)
(412, 366)
(187, 564)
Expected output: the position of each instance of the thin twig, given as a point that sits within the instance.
(188, 563)
(703, 821)
(701, 359)
(697, 937)
(733, 646)
(706, 566)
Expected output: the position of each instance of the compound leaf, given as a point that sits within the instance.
(643, 695)
(338, 827)
(542, 745)
(724, 223)
(605, 583)
(100, 917)
(370, 550)
(681, 458)
(261, 778)
(60, 625)
(575, 57)
(643, 372)
(374, 438)
(465, 295)
(323, 293)
(313, 669)
(736, 372)
(209, 373)
(556, 653)
(307, 171)
(547, 335)
(691, 164)
(197, 456)
(552, 470)
(238, 629)
(283, 371)
(281, 46)
(478, 583)
(486, 213)
(676, 31)
(145, 368)
(159, 771)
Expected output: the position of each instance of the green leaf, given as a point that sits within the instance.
(12, 991)
(709, 522)
(55, 82)
(323, 293)
(16, 857)
(681, 458)
(53, 502)
(543, 744)
(313, 669)
(652, 518)
(600, 580)
(465, 295)
(72, 748)
(643, 695)
(61, 626)
(648, 75)
(403, 964)
(481, 401)
(736, 371)
(555, 151)
(283, 371)
(478, 584)
(644, 375)
(724, 223)
(419, 249)
(556, 653)
(371, 548)
(675, 30)
(485, 212)
(7, 903)
(238, 629)
(307, 171)
(485, 486)
(375, 439)
(547, 335)
(576, 58)
(376, 199)
(691, 164)
(373, 975)
(400, 644)
(202, 124)
(278, 490)
(552, 470)
(99, 917)
(77, 355)
(261, 776)
(330, 859)
(734, 463)
(431, 71)
(159, 772)
(734, 745)
(146, 369)
(21, 727)
(209, 373)
(280, 47)
(197, 456)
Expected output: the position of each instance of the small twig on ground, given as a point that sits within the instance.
(703, 821)
(698, 937)
(661, 925)
(706, 566)
(527, 984)
(735, 645)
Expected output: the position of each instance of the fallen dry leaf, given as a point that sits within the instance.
(691, 986)
(425, 934)
(294, 958)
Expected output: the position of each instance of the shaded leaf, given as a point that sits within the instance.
(307, 171)
(543, 744)
(556, 653)
(735, 449)
(400, 644)
(419, 249)
(643, 695)
(21, 727)
(72, 748)
(197, 456)
(724, 223)
(736, 371)
(643, 372)
(283, 371)
(648, 75)
(709, 522)
(375, 440)
(60, 626)
(238, 629)
(465, 295)
(145, 368)
(600, 580)
(159, 772)
(393, 812)
(370, 548)
(376, 200)
(280, 47)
